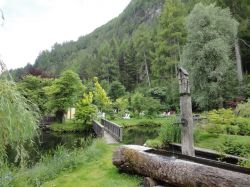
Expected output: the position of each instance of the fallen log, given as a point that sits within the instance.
(138, 159)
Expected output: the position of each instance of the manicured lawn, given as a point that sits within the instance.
(99, 172)
(143, 121)
(67, 126)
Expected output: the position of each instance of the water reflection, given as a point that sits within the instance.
(47, 142)
(139, 135)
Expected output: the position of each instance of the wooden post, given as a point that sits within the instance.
(186, 113)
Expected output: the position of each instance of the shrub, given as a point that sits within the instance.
(230, 146)
(243, 109)
(170, 133)
(156, 143)
(232, 129)
(215, 128)
(85, 110)
(244, 126)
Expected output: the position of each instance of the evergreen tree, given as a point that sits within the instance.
(172, 36)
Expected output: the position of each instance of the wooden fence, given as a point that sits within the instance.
(113, 129)
(98, 128)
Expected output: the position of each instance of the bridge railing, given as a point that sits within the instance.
(98, 128)
(113, 129)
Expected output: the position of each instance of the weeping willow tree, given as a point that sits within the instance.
(18, 119)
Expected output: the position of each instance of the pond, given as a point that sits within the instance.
(47, 142)
(139, 135)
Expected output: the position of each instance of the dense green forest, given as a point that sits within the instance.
(142, 47)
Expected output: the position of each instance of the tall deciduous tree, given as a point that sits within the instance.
(64, 93)
(32, 88)
(207, 54)
(101, 100)
(85, 110)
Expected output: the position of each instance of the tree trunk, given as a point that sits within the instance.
(145, 61)
(238, 60)
(170, 170)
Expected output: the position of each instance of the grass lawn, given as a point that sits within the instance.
(143, 121)
(67, 126)
(215, 141)
(99, 172)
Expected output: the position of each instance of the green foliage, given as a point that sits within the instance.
(18, 119)
(141, 122)
(155, 143)
(148, 105)
(172, 36)
(244, 126)
(64, 93)
(101, 99)
(207, 54)
(66, 126)
(221, 116)
(235, 148)
(169, 131)
(152, 107)
(50, 166)
(121, 104)
(243, 109)
(138, 102)
(95, 158)
(33, 89)
(85, 110)
(116, 90)
(225, 121)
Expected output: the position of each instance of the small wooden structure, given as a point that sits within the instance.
(113, 129)
(186, 113)
(98, 129)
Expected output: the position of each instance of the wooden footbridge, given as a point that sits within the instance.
(111, 132)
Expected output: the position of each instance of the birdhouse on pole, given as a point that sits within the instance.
(184, 86)
(187, 141)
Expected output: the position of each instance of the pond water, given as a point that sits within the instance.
(47, 142)
(139, 135)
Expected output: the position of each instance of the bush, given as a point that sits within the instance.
(230, 146)
(155, 143)
(85, 110)
(215, 128)
(232, 129)
(243, 109)
(170, 133)
(244, 126)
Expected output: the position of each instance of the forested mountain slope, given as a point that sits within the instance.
(142, 46)
(91, 54)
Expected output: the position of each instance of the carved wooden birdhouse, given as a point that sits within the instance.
(183, 81)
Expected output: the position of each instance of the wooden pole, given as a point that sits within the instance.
(186, 113)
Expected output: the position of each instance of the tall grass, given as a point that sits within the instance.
(51, 165)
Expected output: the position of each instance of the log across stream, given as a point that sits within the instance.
(178, 169)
